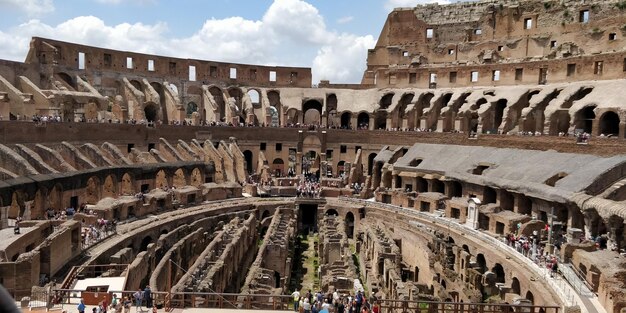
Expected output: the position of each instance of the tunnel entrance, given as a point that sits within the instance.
(308, 218)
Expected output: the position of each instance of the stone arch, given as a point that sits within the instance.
(293, 116)
(38, 208)
(109, 188)
(584, 119)
(312, 142)
(331, 212)
(481, 263)
(180, 178)
(192, 107)
(274, 101)
(346, 118)
(196, 177)
(312, 111)
(498, 114)
(66, 78)
(278, 167)
(349, 220)
(385, 101)
(126, 185)
(331, 110)
(402, 114)
(144, 243)
(55, 197)
(609, 123)
(136, 84)
(499, 271)
(18, 206)
(363, 120)
(151, 112)
(92, 190)
(370, 163)
(266, 214)
(515, 286)
(255, 96)
(161, 91)
(218, 96)
(248, 157)
(160, 179)
(380, 119)
(530, 297)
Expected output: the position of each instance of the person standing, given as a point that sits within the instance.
(296, 300)
(147, 295)
(138, 299)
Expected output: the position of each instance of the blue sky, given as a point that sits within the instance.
(330, 36)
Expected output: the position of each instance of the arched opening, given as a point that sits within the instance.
(331, 110)
(278, 167)
(191, 108)
(530, 297)
(312, 111)
(265, 214)
(585, 118)
(196, 177)
(609, 124)
(350, 225)
(499, 271)
(363, 120)
(331, 212)
(385, 101)
(161, 91)
(515, 286)
(340, 166)
(161, 179)
(179, 179)
(380, 121)
(126, 185)
(274, 99)
(151, 112)
(137, 85)
(345, 120)
(218, 97)
(247, 155)
(92, 190)
(66, 79)
(108, 189)
(144, 243)
(254, 96)
(276, 279)
(370, 163)
(481, 263)
(402, 113)
(473, 122)
(499, 114)
(490, 195)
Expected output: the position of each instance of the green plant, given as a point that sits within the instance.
(566, 14)
(547, 5)
(595, 30)
(621, 5)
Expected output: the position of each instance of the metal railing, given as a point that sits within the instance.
(67, 299)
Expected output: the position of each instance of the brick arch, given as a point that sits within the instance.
(196, 177)
(179, 179)
(110, 186)
(93, 192)
(161, 179)
(126, 185)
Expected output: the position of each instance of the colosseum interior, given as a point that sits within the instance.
(485, 143)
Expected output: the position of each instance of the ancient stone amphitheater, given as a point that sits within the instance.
(484, 144)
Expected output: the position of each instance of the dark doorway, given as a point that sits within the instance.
(248, 157)
(151, 112)
(308, 217)
(74, 202)
(350, 225)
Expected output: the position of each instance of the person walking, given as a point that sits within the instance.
(138, 295)
(81, 306)
(147, 295)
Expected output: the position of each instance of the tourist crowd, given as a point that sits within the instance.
(319, 302)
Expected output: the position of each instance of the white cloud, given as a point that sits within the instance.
(291, 33)
(345, 19)
(30, 7)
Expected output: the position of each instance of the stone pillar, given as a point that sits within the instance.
(298, 164)
(622, 129)
(371, 125)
